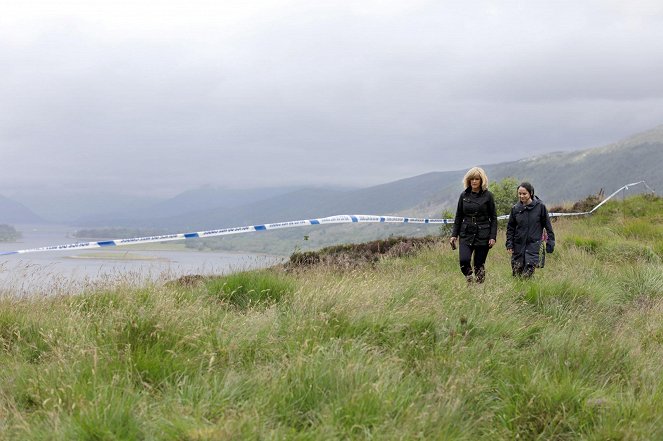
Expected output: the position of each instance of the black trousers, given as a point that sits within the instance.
(465, 253)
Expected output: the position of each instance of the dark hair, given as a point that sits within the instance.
(527, 186)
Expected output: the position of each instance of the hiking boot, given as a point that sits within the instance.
(470, 279)
(528, 272)
(481, 275)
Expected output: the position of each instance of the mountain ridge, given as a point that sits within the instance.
(558, 177)
(12, 212)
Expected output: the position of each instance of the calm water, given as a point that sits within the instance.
(57, 272)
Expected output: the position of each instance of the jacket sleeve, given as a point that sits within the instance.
(510, 229)
(548, 226)
(459, 217)
(492, 213)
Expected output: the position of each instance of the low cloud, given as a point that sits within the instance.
(158, 99)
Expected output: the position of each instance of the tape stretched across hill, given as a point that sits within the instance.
(339, 219)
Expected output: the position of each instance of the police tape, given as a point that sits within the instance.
(337, 219)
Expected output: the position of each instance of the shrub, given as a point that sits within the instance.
(642, 229)
(584, 243)
(505, 193)
(352, 255)
(446, 229)
(21, 335)
(641, 281)
(628, 252)
(250, 288)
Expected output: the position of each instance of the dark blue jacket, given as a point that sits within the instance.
(525, 230)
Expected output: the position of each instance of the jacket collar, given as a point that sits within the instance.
(468, 190)
(535, 201)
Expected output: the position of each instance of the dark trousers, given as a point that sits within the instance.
(520, 269)
(480, 255)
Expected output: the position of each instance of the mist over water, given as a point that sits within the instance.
(74, 271)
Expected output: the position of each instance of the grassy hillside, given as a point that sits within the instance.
(568, 176)
(397, 349)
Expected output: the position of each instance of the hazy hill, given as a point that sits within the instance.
(572, 175)
(64, 206)
(568, 176)
(185, 206)
(302, 203)
(387, 198)
(557, 177)
(12, 212)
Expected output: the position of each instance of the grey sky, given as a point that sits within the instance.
(156, 97)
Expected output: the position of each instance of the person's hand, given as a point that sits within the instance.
(509, 250)
(452, 242)
(491, 242)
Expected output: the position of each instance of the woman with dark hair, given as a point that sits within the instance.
(525, 232)
(475, 224)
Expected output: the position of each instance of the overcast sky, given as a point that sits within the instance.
(157, 97)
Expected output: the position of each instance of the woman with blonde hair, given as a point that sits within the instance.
(475, 224)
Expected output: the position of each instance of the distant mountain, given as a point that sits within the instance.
(185, 206)
(304, 203)
(557, 178)
(569, 176)
(12, 212)
(84, 208)
(65, 206)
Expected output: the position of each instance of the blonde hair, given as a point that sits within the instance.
(476, 172)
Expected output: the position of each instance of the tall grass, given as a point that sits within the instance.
(399, 349)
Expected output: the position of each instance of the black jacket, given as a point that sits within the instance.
(524, 231)
(476, 218)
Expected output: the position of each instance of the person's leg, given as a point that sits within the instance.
(465, 258)
(516, 268)
(480, 255)
(528, 271)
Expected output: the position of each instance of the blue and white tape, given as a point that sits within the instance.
(338, 219)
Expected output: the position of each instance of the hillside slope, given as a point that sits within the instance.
(557, 177)
(15, 212)
(570, 176)
(389, 198)
(400, 348)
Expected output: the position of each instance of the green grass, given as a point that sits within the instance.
(250, 288)
(394, 350)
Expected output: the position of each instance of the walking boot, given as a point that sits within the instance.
(481, 274)
(528, 272)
